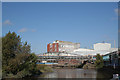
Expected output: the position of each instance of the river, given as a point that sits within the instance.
(74, 73)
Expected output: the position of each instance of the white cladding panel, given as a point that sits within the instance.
(102, 46)
(68, 47)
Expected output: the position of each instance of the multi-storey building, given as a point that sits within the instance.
(62, 46)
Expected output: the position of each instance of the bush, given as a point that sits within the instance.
(99, 61)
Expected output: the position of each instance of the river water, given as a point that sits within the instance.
(74, 73)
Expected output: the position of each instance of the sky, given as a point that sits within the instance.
(40, 23)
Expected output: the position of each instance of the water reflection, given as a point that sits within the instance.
(103, 74)
(71, 73)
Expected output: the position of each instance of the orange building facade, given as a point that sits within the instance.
(54, 47)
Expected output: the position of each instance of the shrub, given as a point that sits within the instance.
(99, 61)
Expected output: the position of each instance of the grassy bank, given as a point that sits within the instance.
(44, 68)
(89, 66)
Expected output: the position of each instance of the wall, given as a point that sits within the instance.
(62, 46)
(102, 46)
(53, 47)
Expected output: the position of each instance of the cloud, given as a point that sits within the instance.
(7, 22)
(26, 29)
(23, 30)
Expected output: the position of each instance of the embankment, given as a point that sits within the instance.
(44, 68)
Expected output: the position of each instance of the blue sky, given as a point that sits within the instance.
(41, 23)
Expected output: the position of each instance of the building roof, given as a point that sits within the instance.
(82, 51)
(65, 41)
(58, 41)
(102, 43)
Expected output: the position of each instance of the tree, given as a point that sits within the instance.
(18, 61)
(99, 61)
(10, 44)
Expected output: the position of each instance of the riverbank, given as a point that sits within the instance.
(108, 71)
(89, 66)
(41, 69)
(44, 68)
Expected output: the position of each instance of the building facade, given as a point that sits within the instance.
(99, 48)
(102, 46)
(52, 47)
(62, 46)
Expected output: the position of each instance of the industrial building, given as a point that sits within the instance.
(62, 46)
(99, 48)
(69, 53)
(65, 48)
(102, 46)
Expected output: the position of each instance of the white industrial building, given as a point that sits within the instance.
(99, 48)
(66, 46)
(102, 46)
